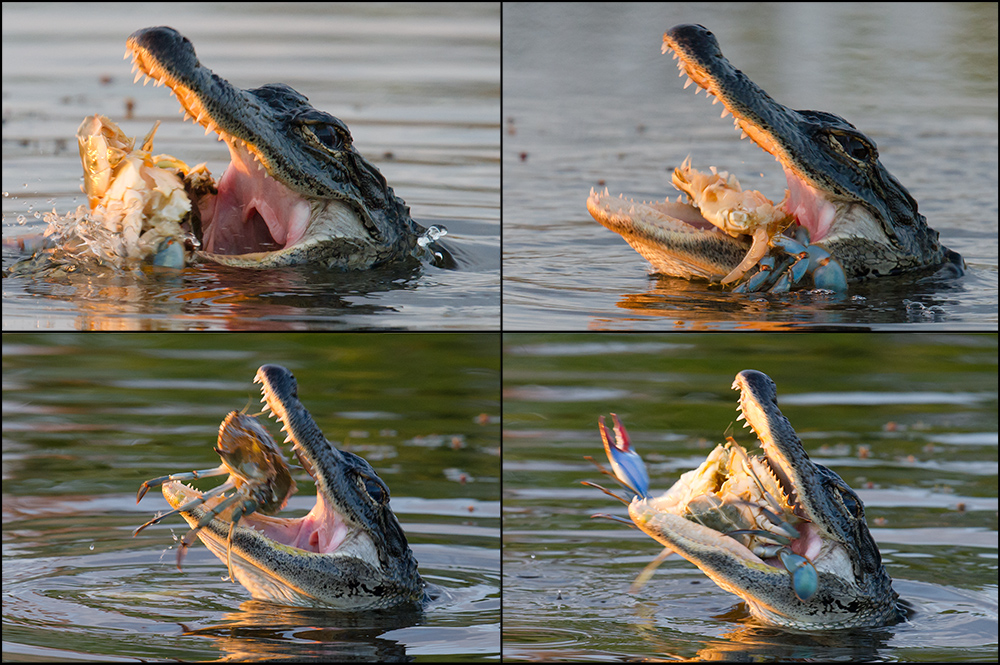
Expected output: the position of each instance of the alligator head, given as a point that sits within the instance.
(348, 553)
(838, 189)
(851, 587)
(296, 191)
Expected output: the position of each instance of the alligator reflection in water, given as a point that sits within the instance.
(841, 198)
(782, 532)
(348, 553)
(296, 191)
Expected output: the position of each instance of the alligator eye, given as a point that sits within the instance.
(328, 136)
(375, 491)
(851, 502)
(853, 147)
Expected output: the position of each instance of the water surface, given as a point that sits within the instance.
(88, 418)
(418, 85)
(589, 101)
(908, 421)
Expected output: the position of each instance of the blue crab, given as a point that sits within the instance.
(722, 202)
(257, 472)
(734, 495)
(138, 208)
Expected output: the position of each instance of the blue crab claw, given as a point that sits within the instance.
(626, 463)
(826, 271)
(789, 245)
(783, 285)
(170, 254)
(805, 579)
(796, 258)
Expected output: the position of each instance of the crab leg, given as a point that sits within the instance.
(190, 475)
(187, 506)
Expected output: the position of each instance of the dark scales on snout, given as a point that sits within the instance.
(297, 190)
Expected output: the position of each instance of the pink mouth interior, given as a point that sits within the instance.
(252, 211)
(321, 530)
(809, 207)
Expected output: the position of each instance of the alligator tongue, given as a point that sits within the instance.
(253, 212)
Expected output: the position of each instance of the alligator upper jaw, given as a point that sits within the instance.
(828, 206)
(258, 219)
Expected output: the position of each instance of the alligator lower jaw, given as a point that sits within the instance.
(677, 503)
(763, 583)
(672, 236)
(267, 553)
(677, 240)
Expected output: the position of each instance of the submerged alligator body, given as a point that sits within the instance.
(296, 191)
(838, 190)
(348, 553)
(782, 532)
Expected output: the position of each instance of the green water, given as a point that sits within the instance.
(89, 417)
(909, 421)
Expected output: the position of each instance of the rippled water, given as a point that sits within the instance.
(87, 418)
(908, 421)
(418, 85)
(589, 101)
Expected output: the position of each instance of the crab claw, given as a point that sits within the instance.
(628, 466)
(805, 579)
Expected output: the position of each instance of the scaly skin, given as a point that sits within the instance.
(853, 588)
(850, 204)
(297, 191)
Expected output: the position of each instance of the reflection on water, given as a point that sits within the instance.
(909, 422)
